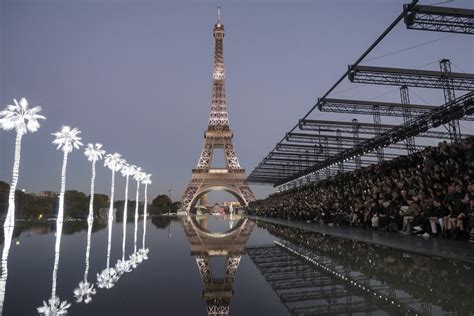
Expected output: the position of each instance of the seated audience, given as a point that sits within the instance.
(429, 193)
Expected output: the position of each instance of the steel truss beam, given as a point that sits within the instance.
(297, 163)
(410, 77)
(440, 19)
(318, 154)
(449, 95)
(407, 116)
(416, 78)
(435, 118)
(270, 175)
(269, 169)
(332, 151)
(316, 139)
(364, 128)
(275, 170)
(292, 159)
(367, 108)
(263, 175)
(302, 147)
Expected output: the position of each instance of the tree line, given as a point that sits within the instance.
(76, 203)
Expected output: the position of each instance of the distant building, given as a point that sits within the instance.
(46, 194)
(233, 203)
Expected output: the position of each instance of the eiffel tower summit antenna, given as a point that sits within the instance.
(217, 136)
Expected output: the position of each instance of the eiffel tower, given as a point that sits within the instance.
(218, 135)
(204, 245)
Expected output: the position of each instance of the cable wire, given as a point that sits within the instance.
(412, 47)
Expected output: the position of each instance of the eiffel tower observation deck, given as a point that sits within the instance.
(217, 136)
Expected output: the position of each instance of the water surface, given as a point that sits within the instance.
(306, 273)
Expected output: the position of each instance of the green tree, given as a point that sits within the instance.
(175, 206)
(38, 205)
(161, 204)
(75, 204)
(100, 201)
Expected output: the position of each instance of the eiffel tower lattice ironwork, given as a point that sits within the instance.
(204, 245)
(217, 136)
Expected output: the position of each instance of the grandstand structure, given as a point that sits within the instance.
(317, 149)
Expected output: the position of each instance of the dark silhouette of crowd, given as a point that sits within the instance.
(429, 193)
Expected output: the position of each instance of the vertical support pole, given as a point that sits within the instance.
(378, 131)
(405, 99)
(339, 149)
(326, 151)
(316, 157)
(308, 164)
(355, 134)
(453, 127)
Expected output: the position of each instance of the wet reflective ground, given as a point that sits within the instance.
(190, 270)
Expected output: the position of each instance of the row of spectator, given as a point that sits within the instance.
(429, 193)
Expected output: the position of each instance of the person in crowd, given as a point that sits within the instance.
(429, 192)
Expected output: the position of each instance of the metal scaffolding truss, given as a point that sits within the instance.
(302, 148)
(272, 173)
(368, 108)
(435, 118)
(298, 163)
(440, 19)
(295, 160)
(363, 128)
(341, 144)
(407, 116)
(410, 77)
(313, 154)
(307, 138)
(289, 158)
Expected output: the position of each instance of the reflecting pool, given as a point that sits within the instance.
(218, 265)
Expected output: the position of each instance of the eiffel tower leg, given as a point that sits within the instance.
(188, 195)
(217, 310)
(230, 157)
(231, 267)
(205, 159)
(244, 188)
(204, 270)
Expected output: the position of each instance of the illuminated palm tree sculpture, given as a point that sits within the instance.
(122, 266)
(108, 277)
(144, 251)
(8, 233)
(55, 306)
(85, 290)
(67, 139)
(135, 257)
(22, 119)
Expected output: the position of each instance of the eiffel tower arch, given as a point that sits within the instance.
(203, 244)
(217, 136)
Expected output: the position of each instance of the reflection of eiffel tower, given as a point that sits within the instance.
(204, 245)
(218, 135)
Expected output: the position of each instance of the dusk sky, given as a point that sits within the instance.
(136, 76)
